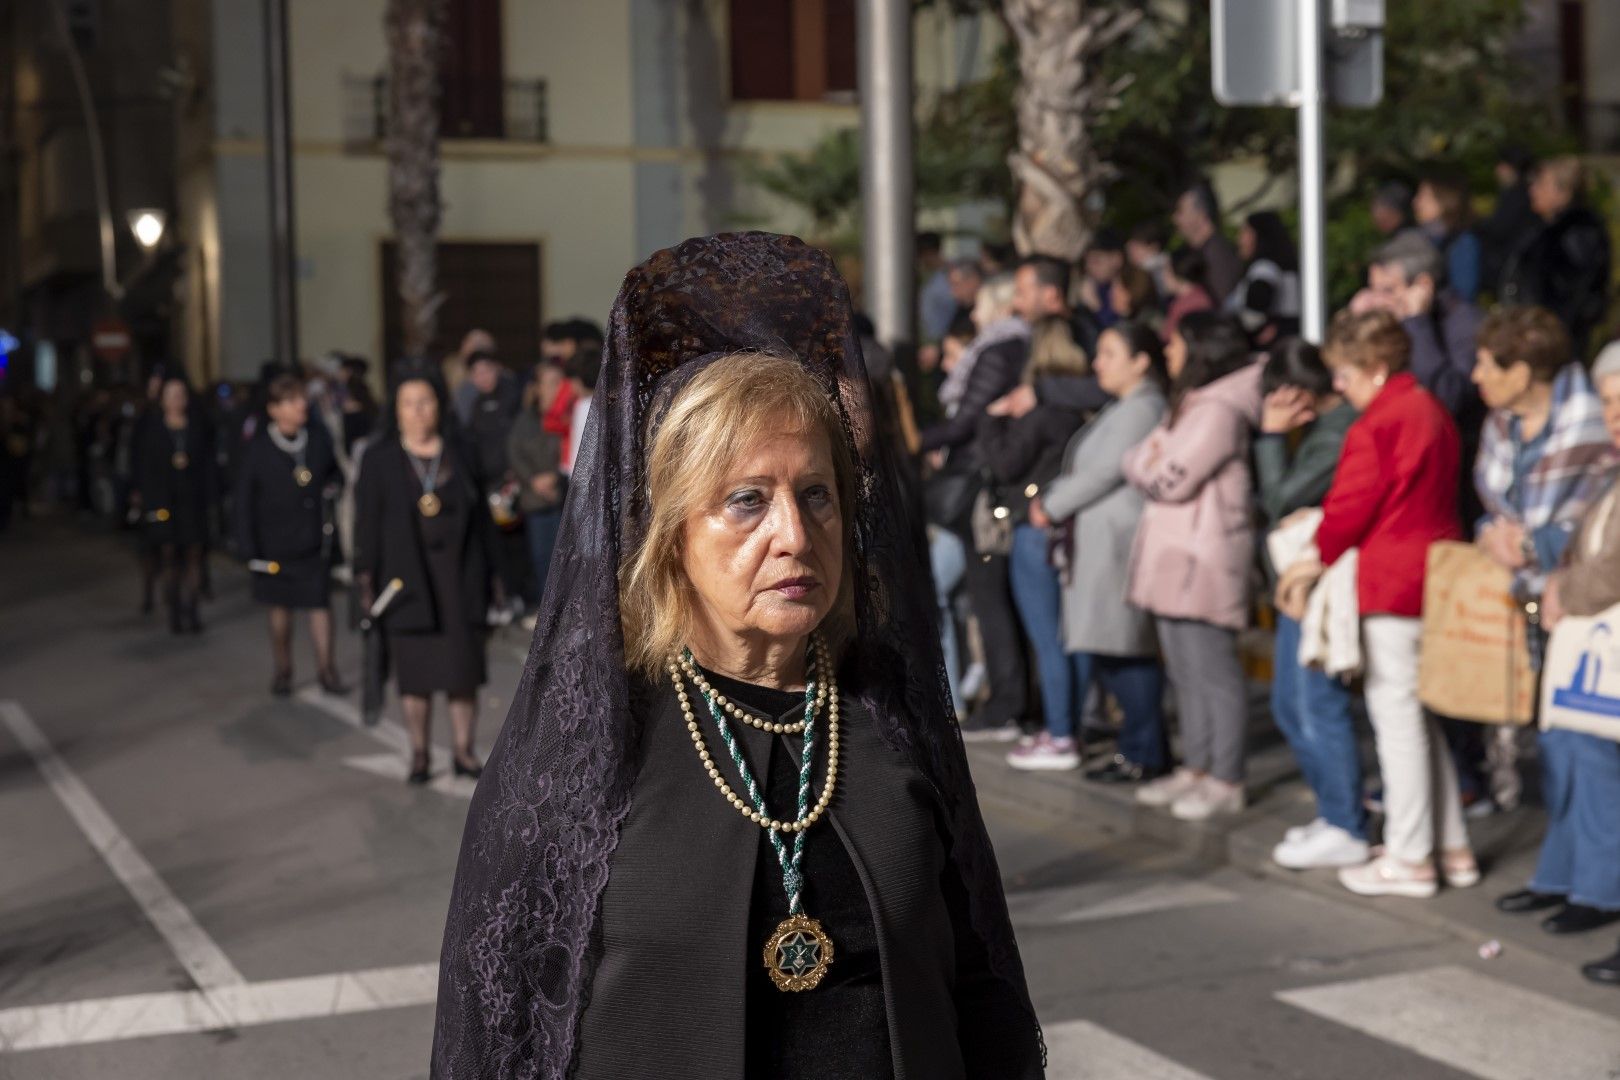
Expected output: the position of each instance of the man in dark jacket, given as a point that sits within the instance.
(1198, 220)
(1407, 277)
(1564, 266)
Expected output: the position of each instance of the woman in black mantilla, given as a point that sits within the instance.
(420, 519)
(175, 486)
(285, 484)
(728, 830)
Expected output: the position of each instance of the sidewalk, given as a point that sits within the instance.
(1506, 843)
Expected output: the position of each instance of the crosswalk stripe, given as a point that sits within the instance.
(1472, 1023)
(203, 960)
(179, 1012)
(391, 767)
(1093, 902)
(1080, 1050)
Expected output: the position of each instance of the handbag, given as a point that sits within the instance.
(948, 496)
(1475, 663)
(1580, 689)
(992, 523)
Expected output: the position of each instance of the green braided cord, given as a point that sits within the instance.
(792, 880)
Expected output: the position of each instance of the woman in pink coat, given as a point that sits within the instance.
(1194, 550)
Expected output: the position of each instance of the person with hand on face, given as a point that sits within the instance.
(1391, 499)
(1098, 511)
(1311, 708)
(1578, 872)
(286, 481)
(421, 518)
(1190, 562)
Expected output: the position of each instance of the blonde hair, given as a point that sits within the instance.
(728, 407)
(1367, 341)
(1053, 350)
(995, 300)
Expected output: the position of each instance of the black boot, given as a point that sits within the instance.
(1605, 971)
(1578, 919)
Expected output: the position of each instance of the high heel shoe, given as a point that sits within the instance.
(473, 771)
(420, 773)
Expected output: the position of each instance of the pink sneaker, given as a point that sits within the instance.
(1386, 875)
(1044, 753)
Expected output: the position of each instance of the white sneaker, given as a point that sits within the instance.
(1167, 789)
(1300, 832)
(1386, 875)
(1209, 798)
(1321, 849)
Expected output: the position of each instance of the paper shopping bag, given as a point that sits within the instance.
(1476, 658)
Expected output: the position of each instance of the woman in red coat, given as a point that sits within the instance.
(1393, 495)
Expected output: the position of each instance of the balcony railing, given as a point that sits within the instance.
(514, 110)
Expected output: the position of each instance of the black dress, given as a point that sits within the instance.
(280, 520)
(177, 478)
(435, 628)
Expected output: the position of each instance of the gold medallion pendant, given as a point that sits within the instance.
(798, 954)
(180, 460)
(428, 504)
(303, 477)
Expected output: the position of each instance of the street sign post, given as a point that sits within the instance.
(1304, 54)
(110, 339)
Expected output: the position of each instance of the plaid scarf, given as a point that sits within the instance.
(1576, 466)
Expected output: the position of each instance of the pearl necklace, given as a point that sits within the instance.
(823, 664)
(732, 710)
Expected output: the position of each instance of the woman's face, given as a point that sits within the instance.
(1425, 205)
(417, 408)
(1117, 371)
(1499, 387)
(1248, 242)
(1175, 355)
(174, 396)
(290, 414)
(765, 553)
(1609, 392)
(548, 385)
(1359, 386)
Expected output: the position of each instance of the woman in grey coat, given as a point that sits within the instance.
(1105, 634)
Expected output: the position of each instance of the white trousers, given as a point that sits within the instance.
(1421, 803)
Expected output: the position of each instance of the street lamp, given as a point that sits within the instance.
(147, 225)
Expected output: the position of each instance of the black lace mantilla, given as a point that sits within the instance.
(517, 961)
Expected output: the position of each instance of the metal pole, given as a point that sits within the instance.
(887, 238)
(1312, 209)
(278, 132)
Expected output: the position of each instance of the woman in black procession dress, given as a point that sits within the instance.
(420, 519)
(176, 483)
(285, 483)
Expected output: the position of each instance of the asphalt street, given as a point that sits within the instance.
(198, 880)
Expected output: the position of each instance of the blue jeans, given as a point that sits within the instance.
(1038, 593)
(541, 527)
(1312, 710)
(1580, 858)
(948, 556)
(1137, 683)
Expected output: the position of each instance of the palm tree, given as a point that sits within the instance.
(1056, 164)
(415, 30)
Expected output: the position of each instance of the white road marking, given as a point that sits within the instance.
(1472, 1023)
(40, 1027)
(392, 767)
(1091, 902)
(204, 962)
(1080, 1050)
(386, 731)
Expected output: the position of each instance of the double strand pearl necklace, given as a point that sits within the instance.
(827, 685)
(690, 670)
